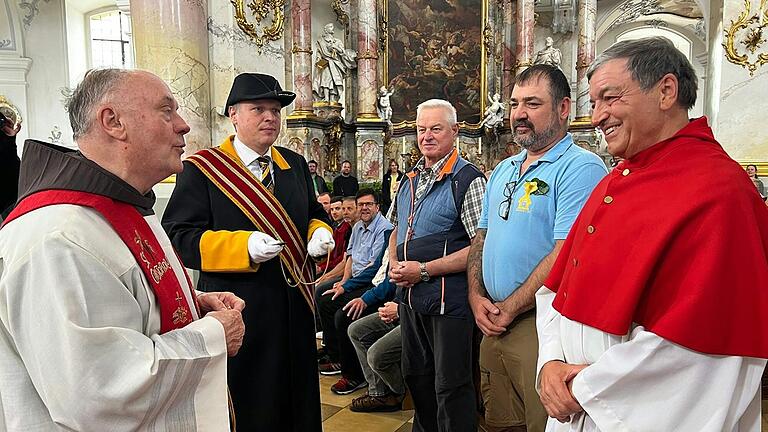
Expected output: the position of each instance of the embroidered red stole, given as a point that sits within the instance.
(262, 209)
(175, 311)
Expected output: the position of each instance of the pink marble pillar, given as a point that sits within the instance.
(367, 58)
(169, 43)
(585, 55)
(301, 31)
(508, 53)
(524, 43)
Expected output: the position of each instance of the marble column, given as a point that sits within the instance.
(524, 43)
(369, 139)
(367, 58)
(585, 55)
(169, 42)
(301, 20)
(508, 53)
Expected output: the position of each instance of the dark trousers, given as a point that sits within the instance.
(437, 365)
(335, 324)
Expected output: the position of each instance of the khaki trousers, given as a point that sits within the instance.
(508, 374)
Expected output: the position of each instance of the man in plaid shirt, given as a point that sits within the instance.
(435, 216)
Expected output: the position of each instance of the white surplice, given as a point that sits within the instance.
(80, 347)
(642, 382)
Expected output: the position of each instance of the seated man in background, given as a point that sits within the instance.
(336, 215)
(362, 261)
(377, 342)
(342, 230)
(334, 274)
(325, 200)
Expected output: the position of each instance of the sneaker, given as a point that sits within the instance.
(370, 403)
(347, 386)
(321, 352)
(330, 368)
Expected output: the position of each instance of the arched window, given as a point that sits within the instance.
(110, 39)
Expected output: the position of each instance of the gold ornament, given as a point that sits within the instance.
(261, 9)
(753, 24)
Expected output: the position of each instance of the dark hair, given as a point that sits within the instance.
(755, 167)
(558, 83)
(323, 193)
(349, 198)
(312, 161)
(365, 192)
(346, 161)
(337, 199)
(648, 60)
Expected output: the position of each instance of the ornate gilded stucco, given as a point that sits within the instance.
(261, 9)
(747, 30)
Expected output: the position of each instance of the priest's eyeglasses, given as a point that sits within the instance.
(509, 190)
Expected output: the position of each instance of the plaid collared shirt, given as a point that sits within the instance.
(473, 199)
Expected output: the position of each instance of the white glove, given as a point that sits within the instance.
(321, 243)
(263, 247)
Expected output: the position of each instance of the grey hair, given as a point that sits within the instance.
(450, 111)
(648, 60)
(96, 87)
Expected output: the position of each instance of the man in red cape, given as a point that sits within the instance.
(652, 318)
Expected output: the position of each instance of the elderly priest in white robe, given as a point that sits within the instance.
(100, 327)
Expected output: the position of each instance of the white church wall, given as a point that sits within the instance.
(738, 99)
(44, 31)
(13, 65)
(77, 43)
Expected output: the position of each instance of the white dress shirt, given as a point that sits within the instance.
(248, 156)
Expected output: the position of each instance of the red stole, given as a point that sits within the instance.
(674, 239)
(262, 209)
(175, 311)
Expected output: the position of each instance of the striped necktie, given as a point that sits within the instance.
(266, 174)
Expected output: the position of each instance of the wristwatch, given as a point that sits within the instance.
(423, 271)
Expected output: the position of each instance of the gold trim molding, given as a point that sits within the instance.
(753, 25)
(260, 10)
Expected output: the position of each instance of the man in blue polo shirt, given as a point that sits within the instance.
(531, 201)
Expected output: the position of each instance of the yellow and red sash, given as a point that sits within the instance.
(262, 209)
(175, 311)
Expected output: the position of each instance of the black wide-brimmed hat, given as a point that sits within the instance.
(256, 86)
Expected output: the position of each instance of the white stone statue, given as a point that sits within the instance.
(494, 114)
(332, 66)
(385, 107)
(549, 55)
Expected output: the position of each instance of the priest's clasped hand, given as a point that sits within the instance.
(234, 328)
(555, 389)
(215, 301)
(263, 247)
(321, 243)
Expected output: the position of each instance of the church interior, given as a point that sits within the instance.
(359, 68)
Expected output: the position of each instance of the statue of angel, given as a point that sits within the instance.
(494, 114)
(384, 106)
